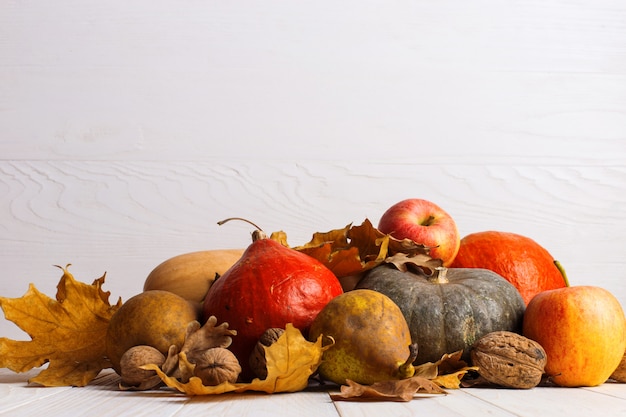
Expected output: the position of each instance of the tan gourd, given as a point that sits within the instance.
(190, 275)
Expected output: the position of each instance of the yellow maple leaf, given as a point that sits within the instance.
(68, 333)
(291, 360)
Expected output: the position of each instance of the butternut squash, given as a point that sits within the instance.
(190, 275)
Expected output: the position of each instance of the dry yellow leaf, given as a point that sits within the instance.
(453, 380)
(291, 360)
(447, 372)
(68, 332)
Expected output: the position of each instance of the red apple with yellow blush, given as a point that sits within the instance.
(425, 223)
(583, 331)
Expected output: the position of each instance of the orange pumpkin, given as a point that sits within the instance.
(519, 259)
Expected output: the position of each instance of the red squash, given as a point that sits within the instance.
(270, 286)
(519, 259)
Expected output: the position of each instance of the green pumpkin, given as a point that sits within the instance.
(451, 309)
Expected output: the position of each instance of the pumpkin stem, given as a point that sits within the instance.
(562, 271)
(238, 218)
(407, 370)
(439, 275)
(258, 234)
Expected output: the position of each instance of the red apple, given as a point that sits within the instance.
(425, 223)
(583, 331)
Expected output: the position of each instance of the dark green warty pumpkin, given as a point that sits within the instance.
(451, 309)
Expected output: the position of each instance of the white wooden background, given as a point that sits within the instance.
(129, 128)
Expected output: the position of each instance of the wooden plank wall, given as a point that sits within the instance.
(128, 129)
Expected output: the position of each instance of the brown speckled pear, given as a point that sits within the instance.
(372, 341)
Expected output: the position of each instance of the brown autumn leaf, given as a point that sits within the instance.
(392, 390)
(419, 261)
(291, 360)
(68, 332)
(451, 362)
(354, 249)
(198, 338)
(334, 250)
(429, 378)
(209, 335)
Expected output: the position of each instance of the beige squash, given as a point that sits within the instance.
(190, 275)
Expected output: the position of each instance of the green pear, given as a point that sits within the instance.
(370, 338)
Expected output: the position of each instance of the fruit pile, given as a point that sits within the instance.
(405, 306)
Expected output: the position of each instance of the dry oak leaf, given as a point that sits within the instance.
(405, 262)
(202, 337)
(334, 250)
(392, 390)
(291, 360)
(429, 378)
(354, 249)
(199, 338)
(68, 332)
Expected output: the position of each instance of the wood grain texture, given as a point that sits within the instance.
(126, 218)
(486, 83)
(103, 398)
(128, 130)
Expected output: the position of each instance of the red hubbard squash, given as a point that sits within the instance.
(271, 285)
(519, 259)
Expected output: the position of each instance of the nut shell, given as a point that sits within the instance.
(509, 360)
(619, 374)
(216, 365)
(257, 361)
(133, 377)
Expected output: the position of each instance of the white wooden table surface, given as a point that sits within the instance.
(128, 129)
(102, 398)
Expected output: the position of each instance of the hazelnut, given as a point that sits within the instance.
(133, 376)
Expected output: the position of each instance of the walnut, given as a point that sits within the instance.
(133, 377)
(138, 379)
(257, 361)
(215, 366)
(509, 359)
(619, 374)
